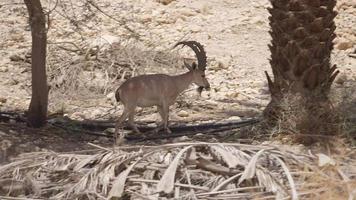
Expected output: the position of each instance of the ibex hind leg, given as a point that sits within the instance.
(119, 137)
(131, 122)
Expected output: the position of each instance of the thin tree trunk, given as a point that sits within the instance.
(37, 113)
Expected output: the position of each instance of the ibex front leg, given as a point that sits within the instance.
(164, 113)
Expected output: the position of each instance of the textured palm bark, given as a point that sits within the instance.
(37, 113)
(302, 34)
(302, 40)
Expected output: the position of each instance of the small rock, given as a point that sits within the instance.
(195, 28)
(3, 100)
(211, 102)
(206, 10)
(285, 139)
(96, 113)
(145, 18)
(264, 91)
(109, 130)
(342, 78)
(232, 94)
(344, 44)
(28, 55)
(165, 2)
(224, 64)
(187, 12)
(12, 82)
(249, 46)
(152, 125)
(37, 149)
(234, 118)
(183, 113)
(166, 20)
(3, 69)
(179, 27)
(257, 20)
(157, 12)
(2, 133)
(5, 144)
(77, 115)
(266, 143)
(223, 89)
(181, 139)
(105, 41)
(325, 160)
(16, 58)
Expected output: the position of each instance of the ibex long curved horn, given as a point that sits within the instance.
(198, 50)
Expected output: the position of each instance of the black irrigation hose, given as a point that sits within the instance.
(178, 130)
(97, 127)
(195, 129)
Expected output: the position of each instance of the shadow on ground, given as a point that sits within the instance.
(65, 135)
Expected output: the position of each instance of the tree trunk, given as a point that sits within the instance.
(302, 33)
(37, 113)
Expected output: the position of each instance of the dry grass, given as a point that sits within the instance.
(179, 171)
(345, 98)
(83, 76)
(84, 63)
(307, 122)
(303, 121)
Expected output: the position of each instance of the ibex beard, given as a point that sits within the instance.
(159, 90)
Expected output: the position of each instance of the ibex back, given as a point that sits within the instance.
(160, 90)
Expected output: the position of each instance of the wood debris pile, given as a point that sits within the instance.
(179, 171)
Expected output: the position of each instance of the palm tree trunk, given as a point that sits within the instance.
(302, 33)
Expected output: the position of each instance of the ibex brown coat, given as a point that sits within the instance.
(160, 90)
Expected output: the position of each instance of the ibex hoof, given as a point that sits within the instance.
(168, 130)
(156, 130)
(119, 138)
(120, 141)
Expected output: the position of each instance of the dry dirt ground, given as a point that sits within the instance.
(94, 45)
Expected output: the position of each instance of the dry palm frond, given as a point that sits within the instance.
(180, 171)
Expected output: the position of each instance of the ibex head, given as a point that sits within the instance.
(198, 70)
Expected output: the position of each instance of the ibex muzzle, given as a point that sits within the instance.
(160, 90)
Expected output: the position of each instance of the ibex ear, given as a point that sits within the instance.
(194, 65)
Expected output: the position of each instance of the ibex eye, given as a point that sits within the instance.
(203, 76)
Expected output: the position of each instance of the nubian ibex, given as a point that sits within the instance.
(160, 90)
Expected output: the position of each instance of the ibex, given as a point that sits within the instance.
(160, 90)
